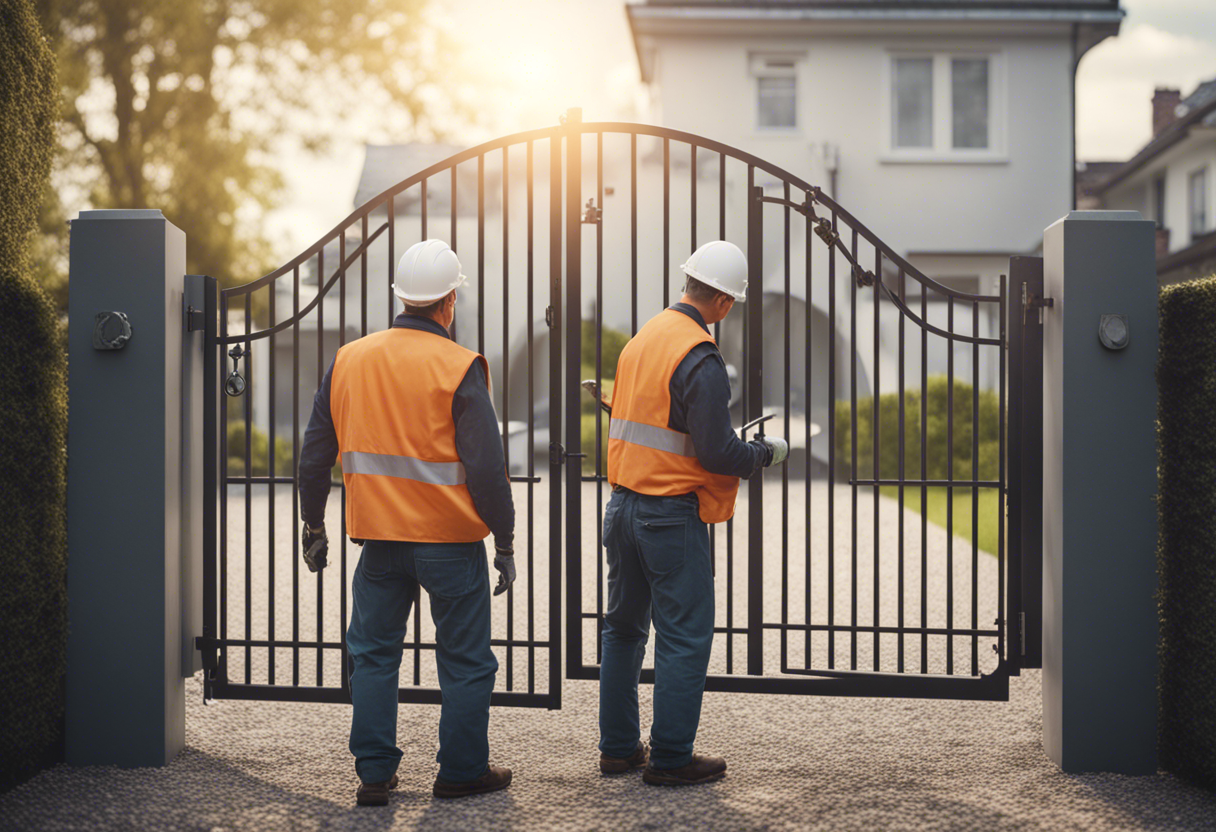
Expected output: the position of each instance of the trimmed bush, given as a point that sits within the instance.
(259, 453)
(937, 435)
(33, 416)
(612, 341)
(1186, 554)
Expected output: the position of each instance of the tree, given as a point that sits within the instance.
(184, 106)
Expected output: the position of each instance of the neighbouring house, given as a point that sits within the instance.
(1172, 180)
(946, 128)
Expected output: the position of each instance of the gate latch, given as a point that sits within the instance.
(591, 214)
(234, 385)
(558, 455)
(1032, 301)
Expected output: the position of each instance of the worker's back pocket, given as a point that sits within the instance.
(447, 577)
(663, 543)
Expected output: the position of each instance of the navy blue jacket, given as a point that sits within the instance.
(478, 444)
(700, 407)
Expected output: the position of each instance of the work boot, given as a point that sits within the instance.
(699, 769)
(375, 794)
(620, 765)
(495, 779)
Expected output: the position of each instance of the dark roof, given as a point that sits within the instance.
(1092, 174)
(1200, 110)
(1203, 248)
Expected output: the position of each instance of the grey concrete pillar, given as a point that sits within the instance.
(125, 691)
(1099, 489)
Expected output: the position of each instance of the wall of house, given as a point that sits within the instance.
(999, 205)
(1136, 193)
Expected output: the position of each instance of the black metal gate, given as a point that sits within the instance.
(819, 621)
(274, 632)
(826, 582)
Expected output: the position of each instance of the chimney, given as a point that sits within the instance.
(1165, 102)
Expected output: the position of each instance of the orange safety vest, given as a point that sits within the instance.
(645, 455)
(391, 400)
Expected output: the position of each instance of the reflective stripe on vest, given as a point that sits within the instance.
(403, 467)
(649, 436)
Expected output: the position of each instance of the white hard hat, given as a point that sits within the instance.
(721, 265)
(427, 272)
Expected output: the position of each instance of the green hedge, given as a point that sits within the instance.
(937, 435)
(259, 453)
(33, 416)
(1186, 555)
(611, 343)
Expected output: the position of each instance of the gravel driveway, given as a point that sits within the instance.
(795, 762)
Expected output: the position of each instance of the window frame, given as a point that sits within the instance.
(759, 67)
(1160, 196)
(942, 127)
(1199, 175)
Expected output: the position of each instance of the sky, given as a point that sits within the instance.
(539, 57)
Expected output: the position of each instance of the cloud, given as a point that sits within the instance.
(1115, 85)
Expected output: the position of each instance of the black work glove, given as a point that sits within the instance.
(504, 562)
(315, 545)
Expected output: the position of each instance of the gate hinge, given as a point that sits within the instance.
(549, 317)
(1032, 301)
(208, 646)
(195, 320)
(1022, 630)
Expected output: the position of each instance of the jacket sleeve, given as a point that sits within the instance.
(479, 446)
(704, 391)
(318, 453)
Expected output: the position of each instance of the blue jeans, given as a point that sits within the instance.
(456, 576)
(658, 563)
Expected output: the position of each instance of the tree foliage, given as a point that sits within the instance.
(185, 106)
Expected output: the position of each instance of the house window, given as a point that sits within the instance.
(1198, 198)
(943, 106)
(776, 91)
(969, 101)
(912, 96)
(1159, 201)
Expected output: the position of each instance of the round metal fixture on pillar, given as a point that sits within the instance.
(1113, 332)
(111, 331)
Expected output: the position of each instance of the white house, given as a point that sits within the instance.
(945, 127)
(1173, 180)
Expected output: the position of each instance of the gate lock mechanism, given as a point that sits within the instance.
(753, 423)
(591, 214)
(234, 385)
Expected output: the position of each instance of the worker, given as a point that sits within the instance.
(409, 411)
(674, 463)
